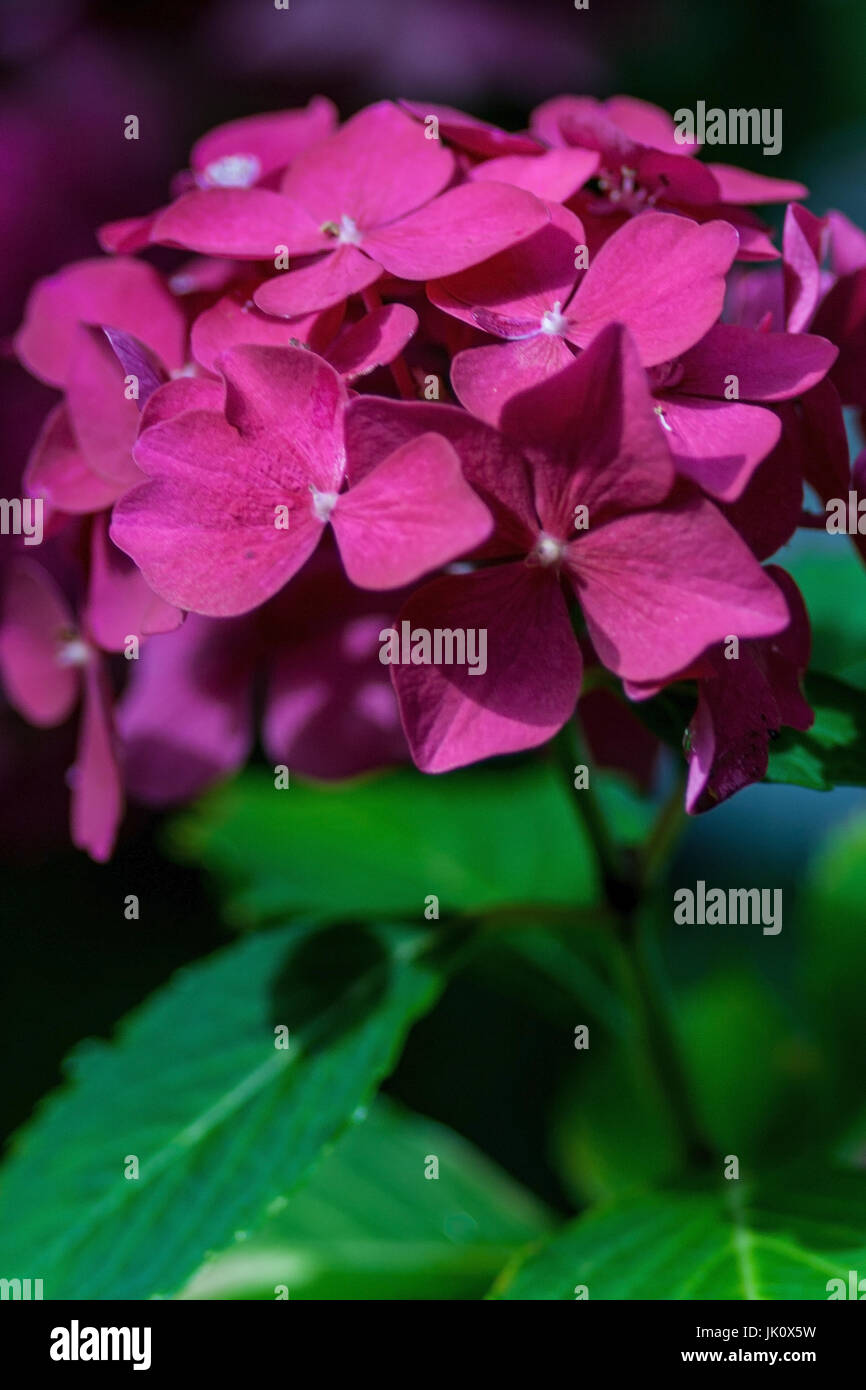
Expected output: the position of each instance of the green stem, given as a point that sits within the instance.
(664, 833)
(625, 878)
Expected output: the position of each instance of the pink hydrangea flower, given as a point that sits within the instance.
(658, 574)
(237, 502)
(527, 384)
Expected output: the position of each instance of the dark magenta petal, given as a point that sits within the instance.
(767, 366)
(185, 719)
(718, 444)
(532, 676)
(595, 437)
(496, 469)
(632, 574)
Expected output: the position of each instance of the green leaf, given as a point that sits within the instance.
(833, 752)
(221, 1120)
(772, 1242)
(379, 846)
(371, 1224)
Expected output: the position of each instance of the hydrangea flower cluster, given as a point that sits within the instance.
(559, 387)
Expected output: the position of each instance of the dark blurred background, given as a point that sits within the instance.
(69, 73)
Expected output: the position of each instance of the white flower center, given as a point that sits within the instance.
(554, 321)
(323, 504)
(548, 550)
(233, 171)
(347, 233)
(662, 419)
(73, 651)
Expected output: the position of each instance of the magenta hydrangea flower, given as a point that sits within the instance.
(662, 276)
(642, 165)
(658, 574)
(238, 501)
(83, 459)
(528, 384)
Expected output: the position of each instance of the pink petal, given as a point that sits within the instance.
(373, 341)
(645, 123)
(58, 471)
(583, 121)
(203, 532)
(119, 602)
(289, 403)
(411, 514)
(768, 366)
(659, 587)
(458, 229)
(595, 437)
(327, 281)
(183, 393)
(128, 234)
(186, 717)
(530, 686)
(677, 179)
(97, 791)
(375, 428)
(509, 294)
(36, 620)
(234, 320)
(119, 293)
(470, 134)
(104, 422)
(552, 176)
(756, 243)
(250, 223)
(486, 379)
(743, 186)
(802, 248)
(270, 141)
(377, 167)
(718, 444)
(661, 275)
